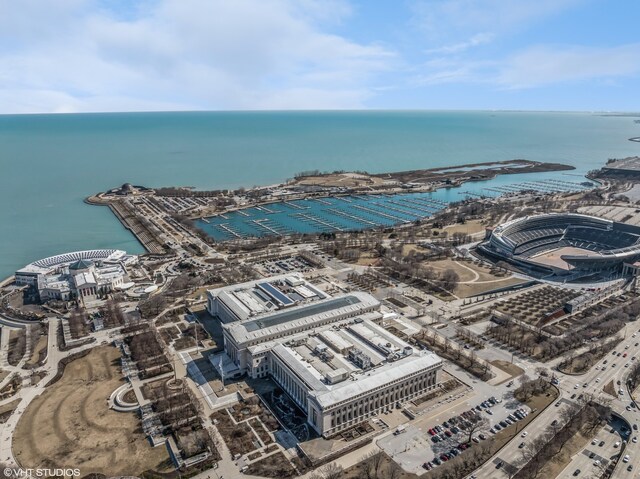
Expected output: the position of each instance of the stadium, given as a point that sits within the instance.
(564, 244)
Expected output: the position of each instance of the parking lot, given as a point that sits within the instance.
(290, 264)
(415, 446)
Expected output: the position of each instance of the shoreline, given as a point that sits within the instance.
(414, 181)
(456, 184)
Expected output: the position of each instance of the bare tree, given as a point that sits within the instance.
(373, 463)
(332, 471)
(482, 424)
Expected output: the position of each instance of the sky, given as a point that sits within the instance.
(66, 56)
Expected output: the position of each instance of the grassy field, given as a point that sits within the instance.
(474, 278)
(70, 424)
(470, 228)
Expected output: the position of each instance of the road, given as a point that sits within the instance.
(592, 383)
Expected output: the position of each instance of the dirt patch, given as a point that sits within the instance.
(38, 353)
(239, 438)
(508, 367)
(259, 429)
(346, 180)
(130, 397)
(561, 460)
(475, 278)
(7, 409)
(70, 423)
(610, 389)
(17, 346)
(275, 465)
(469, 228)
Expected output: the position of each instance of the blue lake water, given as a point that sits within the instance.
(356, 212)
(49, 163)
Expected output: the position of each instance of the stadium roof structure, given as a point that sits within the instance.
(46, 265)
(592, 244)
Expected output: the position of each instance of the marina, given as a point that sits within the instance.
(356, 212)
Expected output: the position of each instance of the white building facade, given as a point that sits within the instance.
(332, 358)
(82, 275)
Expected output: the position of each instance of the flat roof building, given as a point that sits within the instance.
(329, 355)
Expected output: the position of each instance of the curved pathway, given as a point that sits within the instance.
(28, 394)
(474, 272)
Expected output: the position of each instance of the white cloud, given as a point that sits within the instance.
(182, 54)
(451, 19)
(544, 65)
(474, 41)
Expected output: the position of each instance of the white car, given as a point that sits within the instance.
(576, 386)
(635, 439)
(617, 444)
(596, 462)
(594, 442)
(597, 380)
(626, 458)
(524, 434)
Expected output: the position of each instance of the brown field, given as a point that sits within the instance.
(70, 425)
(40, 346)
(474, 278)
(348, 180)
(470, 228)
(508, 368)
(9, 407)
